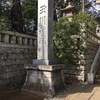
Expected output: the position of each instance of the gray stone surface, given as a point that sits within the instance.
(80, 71)
(45, 67)
(45, 27)
(47, 80)
(42, 76)
(98, 30)
(12, 71)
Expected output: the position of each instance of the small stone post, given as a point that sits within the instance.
(98, 30)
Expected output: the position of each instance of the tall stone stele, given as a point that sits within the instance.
(45, 28)
(44, 76)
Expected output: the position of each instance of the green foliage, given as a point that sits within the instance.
(4, 23)
(30, 14)
(88, 20)
(98, 20)
(29, 9)
(68, 38)
(88, 5)
(65, 45)
(4, 15)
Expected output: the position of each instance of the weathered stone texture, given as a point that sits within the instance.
(12, 71)
(79, 72)
(46, 82)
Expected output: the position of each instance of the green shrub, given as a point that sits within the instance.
(88, 20)
(68, 38)
(4, 23)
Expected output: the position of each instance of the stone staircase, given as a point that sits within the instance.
(97, 77)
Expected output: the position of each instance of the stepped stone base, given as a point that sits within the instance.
(44, 79)
(44, 62)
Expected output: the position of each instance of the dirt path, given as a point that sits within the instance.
(23, 96)
(79, 92)
(71, 92)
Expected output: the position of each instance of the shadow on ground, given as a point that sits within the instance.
(74, 90)
(69, 93)
(24, 96)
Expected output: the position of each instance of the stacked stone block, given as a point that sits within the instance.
(79, 71)
(13, 57)
(44, 79)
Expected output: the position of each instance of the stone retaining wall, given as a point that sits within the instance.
(79, 72)
(15, 50)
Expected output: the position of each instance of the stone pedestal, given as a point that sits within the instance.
(44, 79)
(44, 62)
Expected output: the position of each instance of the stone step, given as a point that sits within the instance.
(97, 77)
(97, 81)
(98, 68)
(98, 72)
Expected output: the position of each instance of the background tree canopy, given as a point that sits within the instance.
(29, 9)
(67, 48)
(68, 38)
(4, 15)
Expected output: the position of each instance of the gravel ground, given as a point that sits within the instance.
(68, 93)
(23, 96)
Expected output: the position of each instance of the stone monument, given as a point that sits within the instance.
(44, 76)
(45, 26)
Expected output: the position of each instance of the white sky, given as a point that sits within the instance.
(96, 7)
